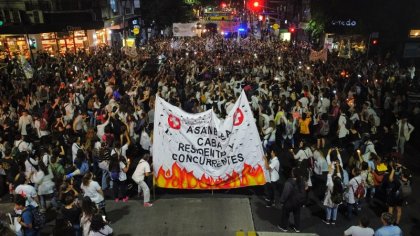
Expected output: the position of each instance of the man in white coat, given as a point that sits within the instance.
(404, 131)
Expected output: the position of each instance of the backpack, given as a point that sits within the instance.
(15, 152)
(349, 123)
(325, 128)
(115, 175)
(38, 218)
(57, 171)
(370, 179)
(43, 124)
(359, 193)
(364, 146)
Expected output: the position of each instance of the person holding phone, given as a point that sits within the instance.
(99, 226)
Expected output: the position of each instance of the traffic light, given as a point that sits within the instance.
(1, 23)
(292, 29)
(223, 5)
(375, 42)
(255, 5)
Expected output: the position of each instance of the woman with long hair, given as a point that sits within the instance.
(333, 195)
(118, 166)
(44, 180)
(323, 130)
(92, 190)
(269, 134)
(71, 213)
(99, 227)
(89, 209)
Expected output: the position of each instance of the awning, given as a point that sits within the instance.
(44, 28)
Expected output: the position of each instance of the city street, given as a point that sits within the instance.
(227, 212)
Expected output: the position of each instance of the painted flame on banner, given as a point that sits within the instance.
(180, 178)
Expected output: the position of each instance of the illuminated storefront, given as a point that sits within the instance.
(14, 44)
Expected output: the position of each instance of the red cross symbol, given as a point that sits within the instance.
(174, 122)
(238, 117)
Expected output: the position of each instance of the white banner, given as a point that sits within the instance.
(319, 55)
(184, 29)
(200, 151)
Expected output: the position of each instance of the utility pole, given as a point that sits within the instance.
(123, 22)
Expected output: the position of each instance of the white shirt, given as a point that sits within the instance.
(359, 231)
(23, 122)
(92, 191)
(304, 154)
(106, 230)
(40, 132)
(28, 192)
(142, 168)
(342, 132)
(370, 148)
(29, 167)
(122, 175)
(353, 183)
(145, 141)
(274, 169)
(23, 146)
(44, 182)
(74, 148)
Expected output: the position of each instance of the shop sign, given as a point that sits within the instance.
(136, 30)
(344, 23)
(72, 28)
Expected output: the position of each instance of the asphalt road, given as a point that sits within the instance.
(266, 219)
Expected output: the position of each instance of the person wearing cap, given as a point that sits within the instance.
(388, 228)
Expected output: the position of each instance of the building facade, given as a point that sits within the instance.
(60, 26)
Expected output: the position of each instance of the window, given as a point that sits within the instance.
(7, 15)
(114, 5)
(16, 16)
(415, 33)
(45, 5)
(29, 6)
(36, 17)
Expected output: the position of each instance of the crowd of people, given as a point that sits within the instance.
(83, 124)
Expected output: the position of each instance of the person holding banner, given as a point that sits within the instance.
(142, 171)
